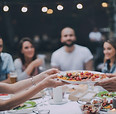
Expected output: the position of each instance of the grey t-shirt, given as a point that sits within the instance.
(71, 61)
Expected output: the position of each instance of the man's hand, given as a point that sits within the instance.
(110, 75)
(109, 84)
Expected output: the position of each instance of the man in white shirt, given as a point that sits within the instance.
(71, 56)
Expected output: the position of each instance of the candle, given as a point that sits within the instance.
(113, 111)
(57, 94)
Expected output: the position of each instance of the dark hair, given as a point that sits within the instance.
(112, 42)
(21, 56)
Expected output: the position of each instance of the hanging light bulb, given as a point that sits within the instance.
(60, 7)
(50, 11)
(79, 6)
(24, 9)
(44, 9)
(5, 8)
(104, 4)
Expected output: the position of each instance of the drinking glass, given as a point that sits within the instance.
(41, 107)
(13, 77)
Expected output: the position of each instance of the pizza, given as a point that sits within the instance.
(81, 76)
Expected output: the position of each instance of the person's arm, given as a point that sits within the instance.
(7, 80)
(25, 95)
(111, 75)
(32, 65)
(25, 74)
(109, 84)
(89, 65)
(21, 85)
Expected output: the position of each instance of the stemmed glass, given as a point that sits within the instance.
(41, 107)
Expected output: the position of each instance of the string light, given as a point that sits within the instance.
(6, 8)
(24, 9)
(60, 7)
(104, 4)
(44, 9)
(79, 6)
(49, 11)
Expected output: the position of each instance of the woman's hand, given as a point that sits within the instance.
(109, 84)
(48, 73)
(45, 74)
(52, 81)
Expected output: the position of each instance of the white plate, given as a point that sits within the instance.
(83, 81)
(23, 111)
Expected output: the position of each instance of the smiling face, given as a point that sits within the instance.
(1, 45)
(109, 51)
(68, 37)
(27, 49)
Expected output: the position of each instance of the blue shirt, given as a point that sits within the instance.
(112, 69)
(6, 65)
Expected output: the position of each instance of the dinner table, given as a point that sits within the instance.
(67, 107)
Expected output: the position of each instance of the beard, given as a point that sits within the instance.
(70, 44)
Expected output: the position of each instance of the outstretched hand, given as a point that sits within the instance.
(47, 73)
(52, 81)
(109, 84)
(110, 75)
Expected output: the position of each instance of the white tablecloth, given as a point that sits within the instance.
(68, 108)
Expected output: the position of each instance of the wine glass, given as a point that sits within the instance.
(41, 107)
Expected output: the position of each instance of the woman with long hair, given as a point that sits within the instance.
(28, 63)
(109, 56)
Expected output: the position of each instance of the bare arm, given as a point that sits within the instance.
(7, 80)
(21, 85)
(89, 65)
(21, 75)
(32, 65)
(25, 95)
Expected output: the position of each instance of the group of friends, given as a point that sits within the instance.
(70, 56)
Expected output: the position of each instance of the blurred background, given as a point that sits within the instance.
(43, 20)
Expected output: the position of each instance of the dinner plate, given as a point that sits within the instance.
(106, 94)
(83, 81)
(27, 104)
(5, 96)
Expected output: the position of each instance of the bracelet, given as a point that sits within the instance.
(32, 80)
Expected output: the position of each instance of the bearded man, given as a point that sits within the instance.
(71, 56)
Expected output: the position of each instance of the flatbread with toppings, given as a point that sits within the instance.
(78, 77)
